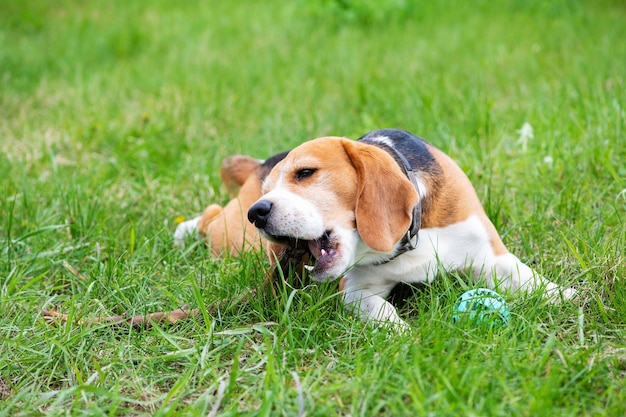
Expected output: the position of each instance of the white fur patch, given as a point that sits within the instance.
(385, 140)
(293, 216)
(463, 246)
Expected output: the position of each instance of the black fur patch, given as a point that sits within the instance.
(270, 163)
(412, 147)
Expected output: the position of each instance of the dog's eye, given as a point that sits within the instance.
(304, 173)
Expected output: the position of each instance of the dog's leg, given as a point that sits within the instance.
(369, 303)
(514, 275)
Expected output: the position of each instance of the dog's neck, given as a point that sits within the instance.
(410, 239)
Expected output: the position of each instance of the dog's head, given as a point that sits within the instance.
(339, 200)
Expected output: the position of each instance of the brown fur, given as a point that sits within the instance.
(380, 179)
(227, 229)
(452, 185)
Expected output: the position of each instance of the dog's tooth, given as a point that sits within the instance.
(323, 252)
(309, 268)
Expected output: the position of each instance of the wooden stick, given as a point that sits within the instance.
(144, 321)
(291, 260)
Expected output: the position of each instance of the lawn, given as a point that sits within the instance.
(115, 116)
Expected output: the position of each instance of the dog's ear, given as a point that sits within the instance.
(385, 196)
(236, 169)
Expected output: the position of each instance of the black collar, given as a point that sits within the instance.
(410, 239)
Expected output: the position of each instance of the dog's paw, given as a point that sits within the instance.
(395, 326)
(391, 329)
(401, 327)
(186, 231)
(569, 293)
(556, 294)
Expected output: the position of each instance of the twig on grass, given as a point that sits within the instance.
(144, 320)
(171, 317)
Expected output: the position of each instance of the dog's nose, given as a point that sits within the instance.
(259, 212)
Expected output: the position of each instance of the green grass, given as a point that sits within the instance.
(114, 117)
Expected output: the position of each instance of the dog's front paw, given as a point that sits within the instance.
(401, 327)
(186, 231)
(555, 293)
(390, 328)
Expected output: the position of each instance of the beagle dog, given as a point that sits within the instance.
(389, 208)
(226, 229)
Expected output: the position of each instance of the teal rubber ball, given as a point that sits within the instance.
(482, 307)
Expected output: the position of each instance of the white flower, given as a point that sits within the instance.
(525, 133)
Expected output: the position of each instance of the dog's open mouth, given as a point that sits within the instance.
(322, 251)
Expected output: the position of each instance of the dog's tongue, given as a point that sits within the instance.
(319, 248)
(315, 246)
